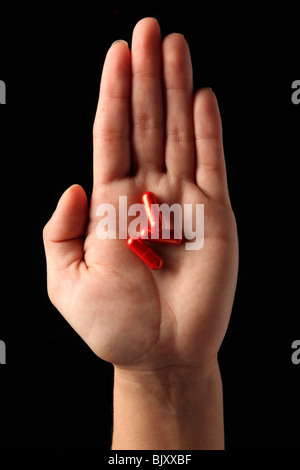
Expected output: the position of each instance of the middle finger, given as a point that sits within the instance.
(147, 97)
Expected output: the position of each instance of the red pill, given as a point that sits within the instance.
(145, 253)
(153, 213)
(163, 236)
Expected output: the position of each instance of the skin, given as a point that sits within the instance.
(161, 326)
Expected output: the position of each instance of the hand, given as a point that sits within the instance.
(150, 134)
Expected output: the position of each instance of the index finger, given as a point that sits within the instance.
(111, 131)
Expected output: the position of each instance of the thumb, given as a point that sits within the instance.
(63, 233)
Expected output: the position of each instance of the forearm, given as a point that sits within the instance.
(156, 412)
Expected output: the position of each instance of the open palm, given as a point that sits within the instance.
(150, 134)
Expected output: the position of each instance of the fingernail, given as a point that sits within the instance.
(63, 197)
(120, 40)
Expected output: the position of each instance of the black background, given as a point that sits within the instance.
(55, 393)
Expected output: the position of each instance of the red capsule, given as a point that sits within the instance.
(145, 253)
(153, 213)
(163, 236)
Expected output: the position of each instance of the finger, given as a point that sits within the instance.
(111, 127)
(147, 99)
(210, 161)
(178, 87)
(63, 233)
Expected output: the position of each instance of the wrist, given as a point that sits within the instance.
(169, 383)
(168, 409)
